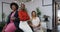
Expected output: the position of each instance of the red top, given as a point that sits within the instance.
(23, 15)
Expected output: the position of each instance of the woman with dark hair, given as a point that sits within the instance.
(13, 20)
(35, 22)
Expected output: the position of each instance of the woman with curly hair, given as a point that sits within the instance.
(13, 19)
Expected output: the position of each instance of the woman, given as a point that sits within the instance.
(13, 20)
(35, 22)
(24, 18)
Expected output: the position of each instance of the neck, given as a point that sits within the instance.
(14, 10)
(33, 17)
(22, 9)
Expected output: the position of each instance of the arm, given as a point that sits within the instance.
(30, 23)
(21, 17)
(39, 23)
(8, 20)
(6, 24)
(27, 16)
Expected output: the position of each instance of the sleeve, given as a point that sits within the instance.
(16, 16)
(38, 20)
(8, 20)
(20, 15)
(28, 18)
(23, 16)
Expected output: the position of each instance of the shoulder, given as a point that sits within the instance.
(19, 12)
(16, 12)
(37, 17)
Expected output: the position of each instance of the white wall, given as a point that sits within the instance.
(45, 10)
(58, 13)
(0, 11)
(9, 1)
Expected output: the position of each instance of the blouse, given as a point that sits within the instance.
(23, 15)
(36, 21)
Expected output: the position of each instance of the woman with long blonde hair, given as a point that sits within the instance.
(35, 22)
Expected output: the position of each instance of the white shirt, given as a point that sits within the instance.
(36, 21)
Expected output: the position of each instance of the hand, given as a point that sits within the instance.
(13, 18)
(3, 30)
(5, 26)
(33, 26)
(39, 25)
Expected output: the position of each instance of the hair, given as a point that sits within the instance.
(16, 5)
(32, 13)
(22, 4)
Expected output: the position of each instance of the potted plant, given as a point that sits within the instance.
(46, 18)
(38, 12)
(3, 16)
(2, 25)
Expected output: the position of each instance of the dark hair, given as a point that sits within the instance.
(32, 13)
(16, 5)
(22, 4)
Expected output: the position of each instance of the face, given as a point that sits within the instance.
(13, 7)
(22, 6)
(33, 14)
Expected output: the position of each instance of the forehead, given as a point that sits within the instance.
(22, 4)
(14, 5)
(33, 12)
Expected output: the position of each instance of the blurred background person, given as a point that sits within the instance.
(35, 22)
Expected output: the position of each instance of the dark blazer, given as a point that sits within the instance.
(16, 21)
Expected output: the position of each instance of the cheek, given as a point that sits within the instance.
(22, 6)
(13, 8)
(33, 14)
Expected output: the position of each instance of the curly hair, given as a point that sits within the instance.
(16, 5)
